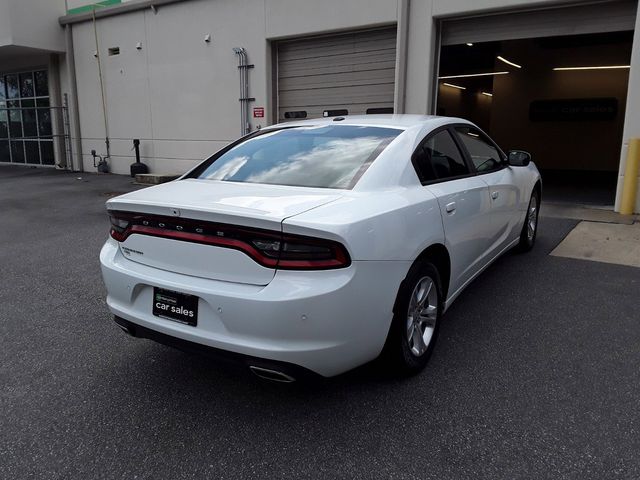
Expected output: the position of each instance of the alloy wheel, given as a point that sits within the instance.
(422, 316)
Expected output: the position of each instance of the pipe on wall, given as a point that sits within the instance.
(243, 67)
(74, 111)
(104, 101)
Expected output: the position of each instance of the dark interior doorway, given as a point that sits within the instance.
(561, 98)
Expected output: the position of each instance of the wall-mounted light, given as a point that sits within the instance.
(139, 46)
(469, 44)
(602, 67)
(502, 59)
(207, 38)
(454, 86)
(487, 94)
(473, 75)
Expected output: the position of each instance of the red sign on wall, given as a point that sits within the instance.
(258, 112)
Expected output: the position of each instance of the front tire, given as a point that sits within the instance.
(416, 321)
(530, 227)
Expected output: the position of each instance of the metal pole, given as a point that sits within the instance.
(67, 132)
(73, 87)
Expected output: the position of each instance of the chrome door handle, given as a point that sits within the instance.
(495, 195)
(450, 207)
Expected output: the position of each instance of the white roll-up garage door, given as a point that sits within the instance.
(350, 73)
(601, 17)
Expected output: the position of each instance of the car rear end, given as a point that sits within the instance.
(205, 265)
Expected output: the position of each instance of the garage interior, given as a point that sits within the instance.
(560, 97)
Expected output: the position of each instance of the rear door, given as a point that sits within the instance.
(463, 199)
(490, 164)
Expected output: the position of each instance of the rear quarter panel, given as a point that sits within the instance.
(393, 225)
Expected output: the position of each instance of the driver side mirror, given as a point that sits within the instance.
(519, 158)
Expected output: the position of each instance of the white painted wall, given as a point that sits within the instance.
(5, 23)
(32, 23)
(178, 94)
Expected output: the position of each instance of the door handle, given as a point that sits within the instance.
(495, 195)
(450, 207)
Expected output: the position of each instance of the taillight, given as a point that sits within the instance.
(119, 227)
(268, 248)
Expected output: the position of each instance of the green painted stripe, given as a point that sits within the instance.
(93, 6)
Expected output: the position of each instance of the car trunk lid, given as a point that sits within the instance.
(202, 227)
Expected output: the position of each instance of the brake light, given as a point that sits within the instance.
(268, 248)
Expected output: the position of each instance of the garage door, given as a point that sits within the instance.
(601, 17)
(333, 75)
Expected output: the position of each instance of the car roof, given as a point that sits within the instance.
(403, 121)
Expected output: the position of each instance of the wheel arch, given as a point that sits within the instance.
(437, 254)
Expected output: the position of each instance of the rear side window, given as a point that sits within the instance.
(331, 156)
(485, 157)
(439, 158)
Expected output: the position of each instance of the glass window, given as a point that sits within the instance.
(17, 152)
(32, 152)
(12, 86)
(44, 118)
(29, 123)
(15, 119)
(47, 153)
(42, 83)
(4, 151)
(484, 156)
(332, 156)
(439, 158)
(4, 123)
(23, 122)
(26, 85)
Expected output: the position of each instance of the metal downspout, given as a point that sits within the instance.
(104, 102)
(243, 67)
(75, 113)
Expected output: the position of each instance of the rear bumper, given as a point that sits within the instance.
(293, 371)
(324, 321)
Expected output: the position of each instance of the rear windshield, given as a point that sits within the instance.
(333, 156)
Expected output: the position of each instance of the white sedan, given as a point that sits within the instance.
(320, 245)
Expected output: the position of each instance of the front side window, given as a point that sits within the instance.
(439, 158)
(330, 156)
(485, 157)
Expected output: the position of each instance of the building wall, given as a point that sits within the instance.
(32, 23)
(179, 94)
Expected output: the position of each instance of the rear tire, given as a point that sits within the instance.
(416, 321)
(530, 227)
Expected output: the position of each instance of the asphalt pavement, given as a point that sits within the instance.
(536, 374)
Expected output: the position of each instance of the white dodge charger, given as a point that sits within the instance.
(319, 245)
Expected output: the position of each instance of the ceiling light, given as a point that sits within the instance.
(454, 86)
(469, 44)
(487, 94)
(502, 59)
(603, 67)
(473, 134)
(473, 75)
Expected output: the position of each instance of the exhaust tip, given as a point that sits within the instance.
(273, 375)
(126, 330)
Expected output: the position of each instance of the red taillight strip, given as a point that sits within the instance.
(207, 240)
(341, 257)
